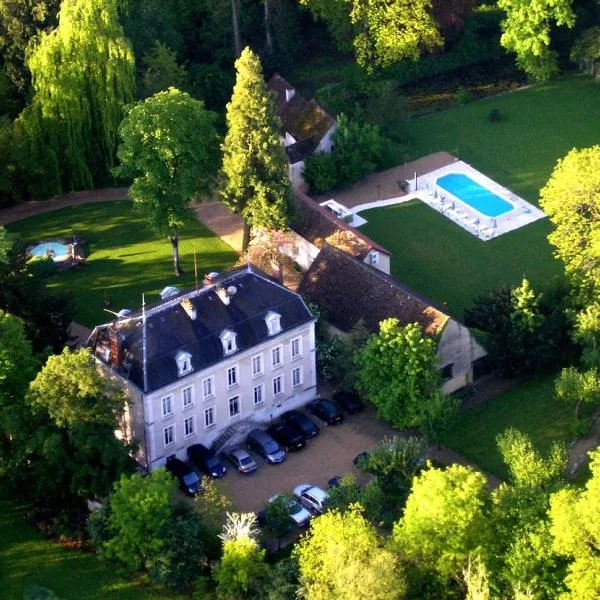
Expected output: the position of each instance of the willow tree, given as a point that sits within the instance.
(170, 149)
(82, 75)
(254, 181)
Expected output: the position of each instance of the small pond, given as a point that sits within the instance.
(55, 250)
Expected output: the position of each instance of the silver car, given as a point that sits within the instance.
(297, 512)
(312, 497)
(241, 460)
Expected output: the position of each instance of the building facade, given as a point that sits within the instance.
(209, 365)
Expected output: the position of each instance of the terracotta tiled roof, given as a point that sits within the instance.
(302, 118)
(317, 224)
(349, 290)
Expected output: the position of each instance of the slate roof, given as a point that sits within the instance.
(317, 224)
(304, 119)
(169, 329)
(349, 289)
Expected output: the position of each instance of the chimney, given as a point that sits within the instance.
(289, 94)
(189, 308)
(223, 295)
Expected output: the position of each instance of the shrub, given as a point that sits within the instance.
(320, 173)
(496, 116)
(462, 96)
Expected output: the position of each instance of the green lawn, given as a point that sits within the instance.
(447, 264)
(531, 407)
(125, 259)
(542, 124)
(26, 558)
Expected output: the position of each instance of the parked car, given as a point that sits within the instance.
(314, 498)
(188, 479)
(300, 422)
(298, 514)
(326, 410)
(287, 437)
(241, 460)
(206, 460)
(349, 402)
(264, 445)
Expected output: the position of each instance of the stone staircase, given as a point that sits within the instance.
(233, 433)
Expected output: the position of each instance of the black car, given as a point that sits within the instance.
(326, 411)
(349, 402)
(301, 423)
(263, 444)
(206, 460)
(288, 437)
(188, 479)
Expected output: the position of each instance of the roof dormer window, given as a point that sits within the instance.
(273, 321)
(184, 363)
(229, 342)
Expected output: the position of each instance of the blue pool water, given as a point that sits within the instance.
(473, 194)
(61, 251)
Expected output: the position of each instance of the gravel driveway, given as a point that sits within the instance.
(331, 453)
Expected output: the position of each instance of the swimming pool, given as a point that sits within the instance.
(58, 252)
(475, 195)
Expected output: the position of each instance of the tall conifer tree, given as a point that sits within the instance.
(254, 180)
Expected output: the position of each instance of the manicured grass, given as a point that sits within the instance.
(531, 407)
(541, 125)
(125, 259)
(450, 266)
(26, 558)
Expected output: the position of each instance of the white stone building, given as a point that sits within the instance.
(207, 366)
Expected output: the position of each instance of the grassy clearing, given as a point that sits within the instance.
(449, 265)
(27, 558)
(542, 123)
(531, 407)
(125, 259)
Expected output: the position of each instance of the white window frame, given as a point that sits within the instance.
(168, 397)
(211, 380)
(191, 396)
(228, 339)
(261, 387)
(273, 322)
(171, 429)
(275, 365)
(191, 419)
(298, 340)
(184, 363)
(300, 377)
(234, 369)
(212, 410)
(260, 358)
(374, 257)
(239, 406)
(281, 391)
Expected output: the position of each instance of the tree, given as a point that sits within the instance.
(396, 372)
(169, 147)
(444, 522)
(161, 70)
(71, 389)
(337, 17)
(571, 201)
(526, 31)
(254, 181)
(587, 333)
(20, 22)
(343, 557)
(277, 517)
(242, 569)
(575, 529)
(82, 74)
(390, 31)
(439, 414)
(577, 387)
(586, 52)
(140, 514)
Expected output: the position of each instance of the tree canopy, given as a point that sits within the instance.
(169, 146)
(254, 180)
(570, 199)
(526, 31)
(82, 74)
(396, 371)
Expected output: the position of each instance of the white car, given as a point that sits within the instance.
(314, 498)
(297, 512)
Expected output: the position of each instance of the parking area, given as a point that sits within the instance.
(329, 454)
